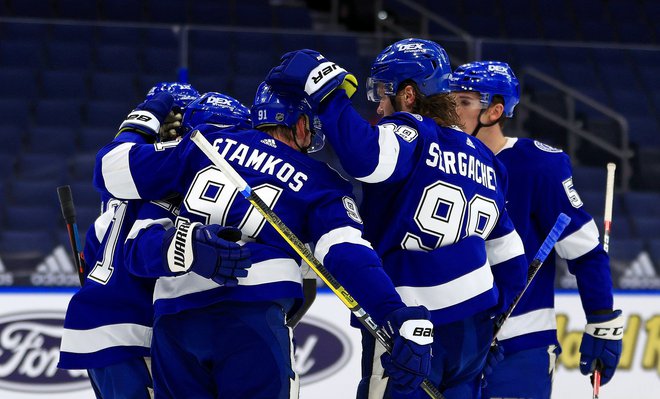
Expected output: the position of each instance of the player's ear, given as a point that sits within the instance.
(409, 96)
(496, 111)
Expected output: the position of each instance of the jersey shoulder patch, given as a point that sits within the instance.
(545, 147)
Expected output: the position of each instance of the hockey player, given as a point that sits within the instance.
(540, 188)
(248, 320)
(107, 329)
(433, 204)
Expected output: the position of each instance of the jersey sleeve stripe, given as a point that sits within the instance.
(387, 156)
(341, 235)
(450, 293)
(116, 171)
(96, 339)
(579, 242)
(145, 223)
(504, 248)
(102, 223)
(268, 271)
(534, 321)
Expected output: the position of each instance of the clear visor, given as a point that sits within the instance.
(318, 138)
(377, 89)
(468, 100)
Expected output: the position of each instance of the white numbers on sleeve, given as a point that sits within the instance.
(572, 195)
(103, 268)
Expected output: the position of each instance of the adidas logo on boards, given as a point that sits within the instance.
(640, 274)
(6, 278)
(56, 269)
(269, 142)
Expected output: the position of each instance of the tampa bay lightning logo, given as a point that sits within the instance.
(321, 349)
(545, 147)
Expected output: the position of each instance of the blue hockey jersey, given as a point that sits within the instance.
(540, 188)
(109, 319)
(311, 198)
(433, 208)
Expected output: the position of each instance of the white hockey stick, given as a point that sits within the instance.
(379, 333)
(607, 220)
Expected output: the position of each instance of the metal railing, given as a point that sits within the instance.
(574, 127)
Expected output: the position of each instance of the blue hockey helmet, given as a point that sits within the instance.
(424, 62)
(278, 109)
(183, 93)
(488, 78)
(216, 108)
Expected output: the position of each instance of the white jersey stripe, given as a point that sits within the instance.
(102, 223)
(341, 235)
(96, 339)
(579, 243)
(451, 293)
(268, 271)
(504, 248)
(387, 157)
(534, 321)
(116, 172)
(145, 223)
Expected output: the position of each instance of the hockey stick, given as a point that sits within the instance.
(607, 220)
(309, 295)
(379, 333)
(69, 214)
(537, 262)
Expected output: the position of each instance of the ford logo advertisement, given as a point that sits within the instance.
(29, 352)
(321, 349)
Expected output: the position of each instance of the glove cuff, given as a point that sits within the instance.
(143, 121)
(611, 329)
(180, 254)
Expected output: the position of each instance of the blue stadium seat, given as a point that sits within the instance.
(116, 10)
(164, 38)
(60, 140)
(81, 166)
(41, 166)
(86, 215)
(85, 195)
(21, 54)
(245, 86)
(166, 11)
(25, 243)
(71, 34)
(119, 35)
(161, 60)
(27, 192)
(594, 203)
(255, 63)
(19, 109)
(643, 129)
(33, 8)
(634, 32)
(596, 30)
(23, 31)
(17, 83)
(58, 113)
(647, 227)
(624, 10)
(211, 40)
(292, 17)
(113, 86)
(107, 114)
(31, 218)
(629, 102)
(642, 204)
(256, 15)
(578, 74)
(206, 62)
(521, 27)
(63, 85)
(70, 56)
(558, 29)
(211, 82)
(75, 9)
(118, 58)
(8, 165)
(625, 250)
(11, 137)
(650, 77)
(589, 178)
(209, 12)
(92, 138)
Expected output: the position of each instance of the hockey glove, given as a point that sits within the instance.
(309, 74)
(494, 357)
(412, 335)
(209, 251)
(147, 117)
(601, 345)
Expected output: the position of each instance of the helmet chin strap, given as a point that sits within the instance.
(480, 125)
(302, 149)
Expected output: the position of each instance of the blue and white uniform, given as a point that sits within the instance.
(540, 188)
(108, 324)
(433, 205)
(312, 199)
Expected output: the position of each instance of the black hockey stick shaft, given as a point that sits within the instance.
(69, 214)
(309, 295)
(379, 333)
(537, 262)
